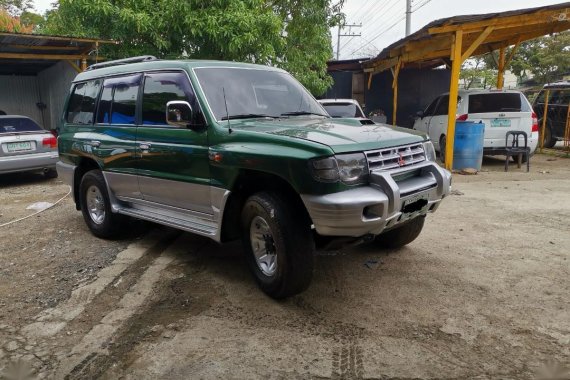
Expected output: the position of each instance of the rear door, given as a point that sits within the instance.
(500, 112)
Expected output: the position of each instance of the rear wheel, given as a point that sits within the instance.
(549, 140)
(50, 173)
(279, 246)
(96, 207)
(400, 236)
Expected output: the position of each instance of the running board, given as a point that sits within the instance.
(188, 223)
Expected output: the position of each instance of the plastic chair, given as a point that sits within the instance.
(514, 149)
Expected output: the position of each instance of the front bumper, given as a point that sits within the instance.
(28, 162)
(372, 209)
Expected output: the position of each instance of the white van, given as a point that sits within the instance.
(500, 110)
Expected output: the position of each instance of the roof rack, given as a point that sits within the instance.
(125, 61)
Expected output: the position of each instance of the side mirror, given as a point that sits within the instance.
(178, 113)
(420, 114)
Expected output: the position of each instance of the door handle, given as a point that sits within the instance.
(144, 146)
(94, 143)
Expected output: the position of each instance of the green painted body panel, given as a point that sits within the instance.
(282, 147)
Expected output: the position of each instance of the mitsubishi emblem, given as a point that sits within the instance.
(401, 160)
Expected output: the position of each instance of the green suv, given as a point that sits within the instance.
(232, 150)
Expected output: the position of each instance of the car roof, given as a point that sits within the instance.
(479, 91)
(160, 64)
(354, 101)
(560, 84)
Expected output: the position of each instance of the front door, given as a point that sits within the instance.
(173, 163)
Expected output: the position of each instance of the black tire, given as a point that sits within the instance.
(442, 142)
(549, 140)
(400, 236)
(111, 224)
(289, 237)
(50, 173)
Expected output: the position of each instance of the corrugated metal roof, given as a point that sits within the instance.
(423, 33)
(28, 54)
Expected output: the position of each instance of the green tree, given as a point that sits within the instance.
(293, 34)
(476, 73)
(15, 7)
(32, 19)
(546, 58)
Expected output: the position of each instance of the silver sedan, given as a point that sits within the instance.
(25, 146)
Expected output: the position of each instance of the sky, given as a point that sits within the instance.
(383, 21)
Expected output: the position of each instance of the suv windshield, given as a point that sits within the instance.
(343, 109)
(255, 93)
(18, 124)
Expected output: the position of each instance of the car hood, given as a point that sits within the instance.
(341, 135)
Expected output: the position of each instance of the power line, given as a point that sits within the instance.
(386, 15)
(418, 7)
(339, 35)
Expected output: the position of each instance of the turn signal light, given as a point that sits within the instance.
(462, 117)
(50, 141)
(534, 123)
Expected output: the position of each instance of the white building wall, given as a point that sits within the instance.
(54, 85)
(19, 95)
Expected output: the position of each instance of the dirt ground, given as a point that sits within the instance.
(483, 293)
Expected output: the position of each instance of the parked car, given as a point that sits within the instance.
(232, 150)
(558, 100)
(345, 108)
(500, 110)
(25, 146)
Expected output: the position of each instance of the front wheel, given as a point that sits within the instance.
(400, 236)
(549, 140)
(96, 207)
(279, 245)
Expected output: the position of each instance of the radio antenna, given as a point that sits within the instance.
(227, 113)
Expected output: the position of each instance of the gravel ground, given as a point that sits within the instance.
(482, 293)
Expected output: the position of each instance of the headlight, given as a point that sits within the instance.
(429, 151)
(351, 169)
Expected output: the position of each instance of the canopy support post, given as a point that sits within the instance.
(453, 91)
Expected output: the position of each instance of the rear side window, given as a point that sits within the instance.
(161, 88)
(499, 102)
(118, 101)
(81, 107)
(18, 124)
(431, 108)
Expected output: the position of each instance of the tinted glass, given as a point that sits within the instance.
(82, 102)
(499, 102)
(161, 88)
(342, 109)
(74, 105)
(18, 124)
(254, 92)
(431, 108)
(104, 113)
(442, 106)
(119, 100)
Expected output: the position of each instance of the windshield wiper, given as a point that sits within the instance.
(298, 113)
(246, 116)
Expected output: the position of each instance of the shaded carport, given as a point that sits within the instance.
(450, 41)
(36, 72)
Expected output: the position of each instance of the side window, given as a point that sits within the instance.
(81, 107)
(541, 97)
(442, 106)
(161, 88)
(431, 108)
(118, 102)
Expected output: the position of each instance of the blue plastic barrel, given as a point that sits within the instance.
(468, 146)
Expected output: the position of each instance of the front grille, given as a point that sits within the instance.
(396, 157)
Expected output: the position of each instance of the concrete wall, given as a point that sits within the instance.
(19, 95)
(54, 85)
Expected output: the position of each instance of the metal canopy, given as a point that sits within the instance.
(452, 40)
(28, 54)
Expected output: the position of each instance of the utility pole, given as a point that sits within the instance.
(349, 34)
(408, 17)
